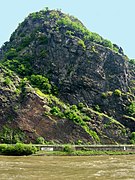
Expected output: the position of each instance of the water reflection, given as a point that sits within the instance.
(67, 168)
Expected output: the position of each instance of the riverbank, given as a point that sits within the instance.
(97, 147)
(81, 153)
(65, 150)
(84, 150)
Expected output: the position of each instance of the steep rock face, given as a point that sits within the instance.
(82, 65)
(23, 111)
(33, 121)
(24, 115)
(81, 69)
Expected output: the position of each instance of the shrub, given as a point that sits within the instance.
(26, 41)
(132, 138)
(107, 43)
(104, 95)
(109, 93)
(41, 82)
(11, 54)
(72, 115)
(19, 149)
(3, 147)
(131, 108)
(81, 43)
(79, 142)
(68, 149)
(116, 48)
(70, 33)
(40, 140)
(74, 108)
(97, 108)
(11, 136)
(86, 118)
(54, 14)
(80, 105)
(56, 111)
(8, 81)
(93, 49)
(132, 61)
(20, 66)
(54, 90)
(117, 92)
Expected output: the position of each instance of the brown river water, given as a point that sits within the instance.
(67, 167)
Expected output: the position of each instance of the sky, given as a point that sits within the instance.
(112, 19)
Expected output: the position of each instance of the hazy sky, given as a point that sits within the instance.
(112, 19)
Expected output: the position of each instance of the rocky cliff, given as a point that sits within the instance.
(64, 83)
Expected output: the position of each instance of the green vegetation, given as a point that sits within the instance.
(107, 43)
(8, 81)
(56, 112)
(113, 121)
(40, 140)
(78, 27)
(79, 142)
(70, 33)
(68, 21)
(106, 94)
(11, 54)
(132, 61)
(26, 41)
(41, 82)
(97, 108)
(80, 106)
(93, 49)
(131, 109)
(83, 153)
(11, 136)
(109, 121)
(20, 66)
(132, 139)
(54, 14)
(117, 92)
(74, 114)
(81, 43)
(18, 149)
(23, 67)
(68, 149)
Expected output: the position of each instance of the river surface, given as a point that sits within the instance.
(67, 167)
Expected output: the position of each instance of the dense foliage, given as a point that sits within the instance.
(11, 136)
(18, 149)
(131, 108)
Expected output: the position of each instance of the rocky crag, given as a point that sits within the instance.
(61, 82)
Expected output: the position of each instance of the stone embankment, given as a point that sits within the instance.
(129, 148)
